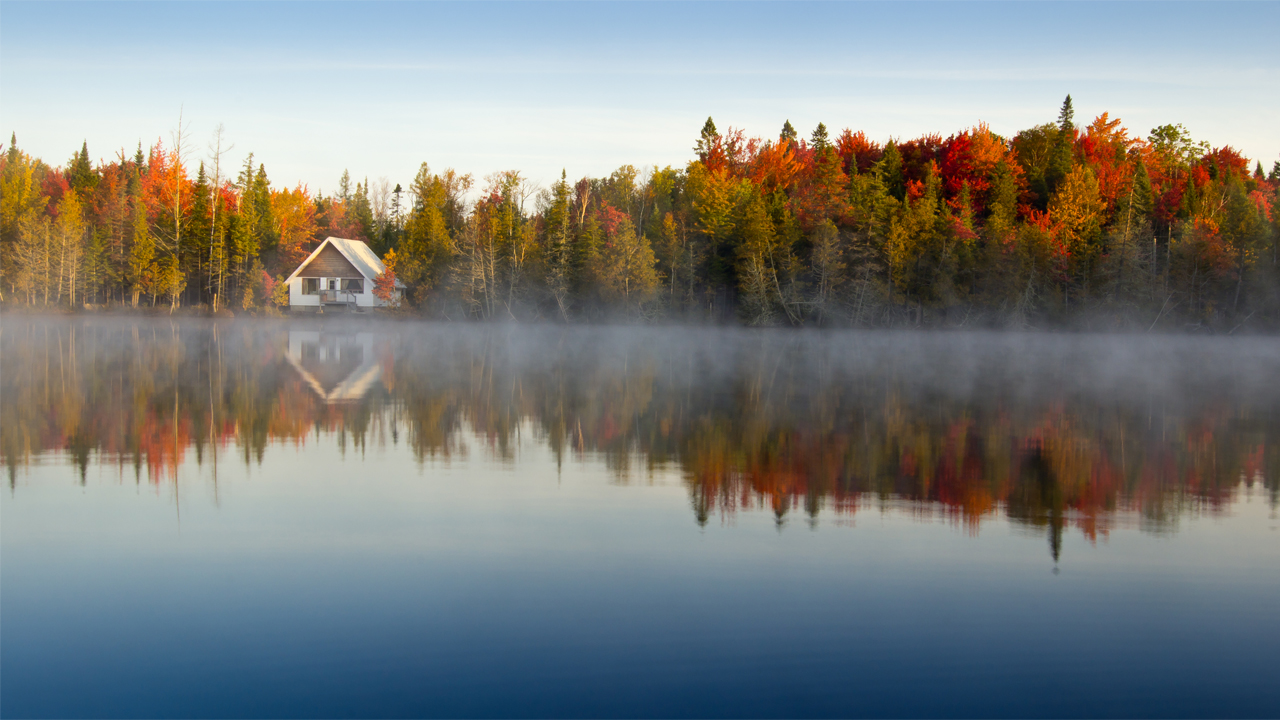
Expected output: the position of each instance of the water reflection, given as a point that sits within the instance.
(1056, 433)
(340, 368)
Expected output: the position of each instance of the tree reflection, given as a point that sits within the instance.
(784, 422)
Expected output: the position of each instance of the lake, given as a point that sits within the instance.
(320, 518)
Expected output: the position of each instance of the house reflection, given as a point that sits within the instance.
(339, 368)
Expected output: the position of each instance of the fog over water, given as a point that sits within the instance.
(328, 518)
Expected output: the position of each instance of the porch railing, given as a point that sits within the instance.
(337, 296)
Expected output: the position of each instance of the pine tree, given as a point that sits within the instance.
(707, 138)
(1064, 147)
(889, 168)
(788, 132)
(98, 273)
(199, 230)
(819, 140)
(245, 241)
(361, 210)
(557, 245)
(268, 235)
(141, 255)
(397, 218)
(1003, 206)
(344, 186)
(1066, 117)
(80, 174)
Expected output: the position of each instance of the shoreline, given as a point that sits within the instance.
(1099, 325)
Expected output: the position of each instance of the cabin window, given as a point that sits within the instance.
(310, 286)
(333, 284)
(353, 286)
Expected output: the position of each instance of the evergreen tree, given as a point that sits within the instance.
(788, 132)
(142, 254)
(707, 139)
(819, 140)
(1143, 198)
(267, 232)
(344, 186)
(199, 231)
(557, 245)
(361, 210)
(889, 168)
(1063, 149)
(1003, 206)
(80, 175)
(98, 272)
(425, 246)
(397, 217)
(1066, 117)
(245, 241)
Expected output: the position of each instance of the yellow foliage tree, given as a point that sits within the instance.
(295, 219)
(1077, 210)
(625, 267)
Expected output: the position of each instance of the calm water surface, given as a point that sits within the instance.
(333, 519)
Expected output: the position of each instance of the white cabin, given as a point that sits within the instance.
(339, 273)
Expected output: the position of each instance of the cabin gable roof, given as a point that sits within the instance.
(352, 259)
(329, 262)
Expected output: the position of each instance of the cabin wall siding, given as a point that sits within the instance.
(331, 263)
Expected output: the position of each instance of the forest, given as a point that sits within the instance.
(1062, 225)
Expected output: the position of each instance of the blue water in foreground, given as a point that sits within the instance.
(328, 580)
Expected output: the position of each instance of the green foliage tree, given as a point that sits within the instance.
(142, 254)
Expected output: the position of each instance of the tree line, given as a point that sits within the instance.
(1060, 224)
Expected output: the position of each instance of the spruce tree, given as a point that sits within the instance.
(1003, 206)
(890, 171)
(199, 228)
(245, 243)
(1066, 116)
(819, 140)
(1064, 147)
(80, 175)
(1143, 199)
(557, 245)
(788, 132)
(268, 236)
(706, 139)
(141, 254)
(362, 210)
(344, 186)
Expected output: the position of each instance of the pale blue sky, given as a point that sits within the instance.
(313, 88)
